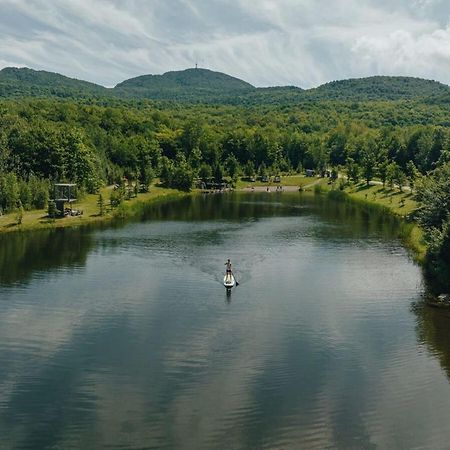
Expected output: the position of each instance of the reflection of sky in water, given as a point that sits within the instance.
(141, 347)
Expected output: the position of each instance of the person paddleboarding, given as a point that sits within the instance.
(229, 280)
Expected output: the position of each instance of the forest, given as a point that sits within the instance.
(96, 141)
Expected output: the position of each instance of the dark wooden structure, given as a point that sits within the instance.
(64, 193)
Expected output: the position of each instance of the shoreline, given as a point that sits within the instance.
(399, 204)
(38, 219)
(370, 196)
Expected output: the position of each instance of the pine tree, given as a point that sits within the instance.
(52, 210)
(101, 204)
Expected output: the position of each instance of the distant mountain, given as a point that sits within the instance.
(378, 88)
(24, 82)
(189, 84)
(207, 86)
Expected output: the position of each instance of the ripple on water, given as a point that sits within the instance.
(137, 345)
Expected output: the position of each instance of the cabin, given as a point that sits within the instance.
(310, 173)
(64, 193)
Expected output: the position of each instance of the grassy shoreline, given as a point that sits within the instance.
(394, 202)
(38, 219)
(401, 204)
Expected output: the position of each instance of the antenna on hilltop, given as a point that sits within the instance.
(197, 62)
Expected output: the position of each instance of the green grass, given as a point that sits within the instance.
(413, 238)
(288, 180)
(37, 219)
(393, 201)
(401, 203)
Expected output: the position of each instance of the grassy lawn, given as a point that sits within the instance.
(288, 180)
(88, 204)
(401, 203)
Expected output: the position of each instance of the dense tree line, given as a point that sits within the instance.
(194, 86)
(434, 216)
(92, 144)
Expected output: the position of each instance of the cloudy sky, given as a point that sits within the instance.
(265, 42)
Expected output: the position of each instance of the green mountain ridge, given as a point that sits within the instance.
(209, 87)
(25, 82)
(376, 87)
(189, 78)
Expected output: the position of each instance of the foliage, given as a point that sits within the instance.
(52, 211)
(385, 127)
(16, 82)
(19, 213)
(205, 172)
(377, 87)
(208, 87)
(433, 194)
(101, 205)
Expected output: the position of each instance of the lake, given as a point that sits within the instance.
(124, 336)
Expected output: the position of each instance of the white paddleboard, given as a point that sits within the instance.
(229, 281)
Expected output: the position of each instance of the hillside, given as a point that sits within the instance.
(208, 87)
(24, 82)
(189, 84)
(378, 88)
(279, 95)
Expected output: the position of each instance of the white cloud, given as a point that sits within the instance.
(300, 42)
(426, 55)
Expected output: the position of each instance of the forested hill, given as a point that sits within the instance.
(194, 84)
(379, 88)
(209, 87)
(24, 82)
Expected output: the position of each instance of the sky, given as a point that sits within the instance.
(265, 42)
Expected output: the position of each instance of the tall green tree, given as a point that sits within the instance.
(369, 160)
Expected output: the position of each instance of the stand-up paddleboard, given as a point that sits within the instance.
(229, 281)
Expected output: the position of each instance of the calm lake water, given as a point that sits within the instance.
(124, 337)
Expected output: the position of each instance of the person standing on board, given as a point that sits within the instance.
(230, 273)
(228, 264)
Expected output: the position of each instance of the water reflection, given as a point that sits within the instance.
(317, 347)
(22, 254)
(433, 331)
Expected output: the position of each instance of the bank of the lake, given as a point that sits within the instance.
(393, 201)
(373, 196)
(38, 219)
